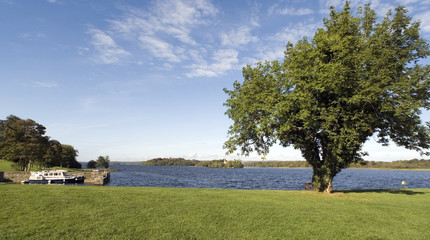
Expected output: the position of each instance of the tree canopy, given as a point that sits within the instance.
(103, 162)
(92, 164)
(355, 78)
(23, 142)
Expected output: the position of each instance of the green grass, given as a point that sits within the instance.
(92, 212)
(6, 165)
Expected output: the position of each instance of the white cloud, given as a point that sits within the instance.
(159, 48)
(48, 84)
(295, 32)
(272, 47)
(33, 36)
(107, 51)
(223, 60)
(87, 103)
(295, 12)
(241, 36)
(165, 28)
(424, 18)
(174, 18)
(192, 155)
(380, 8)
(406, 2)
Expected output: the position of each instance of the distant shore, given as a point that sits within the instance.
(411, 165)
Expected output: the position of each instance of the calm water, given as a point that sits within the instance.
(261, 178)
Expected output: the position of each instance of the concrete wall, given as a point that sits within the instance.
(99, 178)
(15, 176)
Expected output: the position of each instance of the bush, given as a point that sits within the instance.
(91, 164)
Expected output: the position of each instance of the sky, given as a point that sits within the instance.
(136, 80)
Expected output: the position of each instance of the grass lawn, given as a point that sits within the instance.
(94, 212)
(6, 166)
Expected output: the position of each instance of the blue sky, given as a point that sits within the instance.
(137, 80)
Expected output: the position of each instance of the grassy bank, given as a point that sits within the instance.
(5, 165)
(87, 212)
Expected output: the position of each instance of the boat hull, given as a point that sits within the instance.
(56, 181)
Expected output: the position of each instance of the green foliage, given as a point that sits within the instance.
(92, 164)
(169, 162)
(355, 79)
(68, 157)
(24, 143)
(87, 212)
(103, 162)
(401, 164)
(193, 163)
(280, 164)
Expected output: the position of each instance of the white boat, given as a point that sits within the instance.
(53, 176)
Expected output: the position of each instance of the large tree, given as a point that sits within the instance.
(68, 157)
(355, 78)
(22, 141)
(103, 162)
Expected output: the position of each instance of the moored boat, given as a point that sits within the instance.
(53, 176)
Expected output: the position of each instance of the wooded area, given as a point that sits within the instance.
(24, 143)
(193, 163)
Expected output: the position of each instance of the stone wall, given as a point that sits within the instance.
(15, 176)
(97, 177)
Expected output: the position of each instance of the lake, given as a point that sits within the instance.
(261, 178)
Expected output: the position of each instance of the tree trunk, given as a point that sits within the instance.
(322, 179)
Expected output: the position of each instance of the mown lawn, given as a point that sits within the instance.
(6, 165)
(94, 212)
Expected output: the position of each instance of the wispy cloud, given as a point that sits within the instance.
(107, 51)
(88, 102)
(273, 46)
(47, 84)
(33, 36)
(164, 30)
(240, 36)
(293, 11)
(171, 18)
(380, 8)
(222, 61)
(294, 32)
(159, 48)
(424, 18)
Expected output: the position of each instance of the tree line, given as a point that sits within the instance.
(101, 162)
(23, 142)
(400, 164)
(222, 163)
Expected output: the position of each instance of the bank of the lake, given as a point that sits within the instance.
(87, 212)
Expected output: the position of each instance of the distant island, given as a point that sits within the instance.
(400, 164)
(222, 163)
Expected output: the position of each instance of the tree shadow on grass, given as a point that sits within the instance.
(404, 191)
